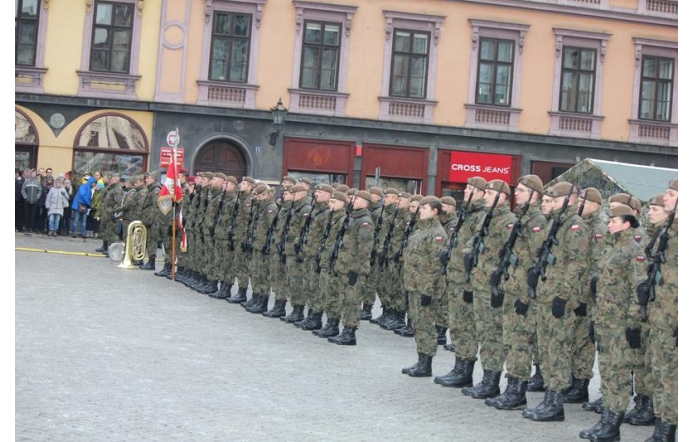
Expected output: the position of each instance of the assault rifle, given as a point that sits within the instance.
(322, 246)
(545, 255)
(205, 210)
(388, 238)
(232, 225)
(285, 230)
(217, 215)
(299, 245)
(478, 241)
(339, 240)
(271, 229)
(645, 290)
(507, 256)
(377, 230)
(247, 245)
(408, 231)
(454, 236)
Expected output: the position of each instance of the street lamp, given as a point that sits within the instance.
(279, 112)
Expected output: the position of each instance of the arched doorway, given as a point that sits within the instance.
(221, 156)
(26, 141)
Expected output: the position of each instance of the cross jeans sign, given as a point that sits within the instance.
(465, 165)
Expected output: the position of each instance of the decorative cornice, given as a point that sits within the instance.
(662, 44)
(602, 37)
(140, 6)
(435, 21)
(488, 24)
(301, 6)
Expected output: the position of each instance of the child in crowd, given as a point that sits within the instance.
(56, 202)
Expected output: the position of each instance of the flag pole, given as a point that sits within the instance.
(173, 217)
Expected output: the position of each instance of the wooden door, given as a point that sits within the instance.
(221, 156)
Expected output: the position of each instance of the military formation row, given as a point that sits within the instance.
(549, 284)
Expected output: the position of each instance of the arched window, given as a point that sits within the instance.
(25, 141)
(111, 143)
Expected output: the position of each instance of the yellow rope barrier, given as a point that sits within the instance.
(61, 252)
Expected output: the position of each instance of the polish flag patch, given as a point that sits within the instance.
(438, 239)
(638, 238)
(510, 226)
(365, 224)
(598, 236)
(575, 227)
(641, 258)
(536, 229)
(306, 214)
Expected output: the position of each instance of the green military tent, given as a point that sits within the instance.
(609, 177)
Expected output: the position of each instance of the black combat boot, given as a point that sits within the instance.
(328, 330)
(528, 411)
(307, 318)
(488, 387)
(420, 358)
(347, 337)
(260, 306)
(366, 312)
(278, 309)
(104, 247)
(209, 287)
(536, 383)
(251, 301)
(296, 315)
(456, 377)
(553, 411)
(223, 292)
(379, 319)
(397, 322)
(512, 398)
(441, 334)
(166, 270)
(595, 406)
(239, 297)
(199, 281)
(663, 432)
(578, 393)
(190, 279)
(407, 331)
(149, 265)
(181, 273)
(314, 322)
(449, 347)
(390, 317)
(423, 367)
(607, 430)
(643, 413)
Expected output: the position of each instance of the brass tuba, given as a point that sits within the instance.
(135, 245)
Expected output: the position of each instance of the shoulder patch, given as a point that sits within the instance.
(641, 258)
(365, 224)
(575, 227)
(510, 226)
(270, 210)
(306, 214)
(598, 236)
(438, 238)
(536, 229)
(638, 238)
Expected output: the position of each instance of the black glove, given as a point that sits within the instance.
(495, 278)
(559, 307)
(381, 259)
(675, 335)
(593, 285)
(468, 262)
(352, 278)
(425, 300)
(592, 332)
(296, 248)
(467, 297)
(634, 337)
(643, 293)
(397, 256)
(444, 258)
(520, 308)
(532, 278)
(581, 310)
(496, 301)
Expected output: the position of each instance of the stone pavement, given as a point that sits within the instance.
(107, 354)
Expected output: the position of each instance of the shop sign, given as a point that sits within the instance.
(165, 155)
(469, 164)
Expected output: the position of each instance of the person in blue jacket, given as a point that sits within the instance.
(81, 205)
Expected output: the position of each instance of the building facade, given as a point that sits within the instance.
(417, 94)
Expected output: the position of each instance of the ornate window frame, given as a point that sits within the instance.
(312, 101)
(409, 109)
(30, 78)
(481, 116)
(578, 125)
(650, 131)
(109, 84)
(224, 93)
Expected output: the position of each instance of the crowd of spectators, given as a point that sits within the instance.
(54, 205)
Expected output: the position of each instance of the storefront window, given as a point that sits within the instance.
(25, 142)
(111, 143)
(402, 184)
(319, 178)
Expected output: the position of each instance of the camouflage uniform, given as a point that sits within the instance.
(385, 275)
(295, 271)
(184, 207)
(369, 285)
(195, 248)
(353, 256)
(113, 197)
(448, 221)
(278, 268)
(488, 319)
(261, 273)
(663, 322)
(622, 268)
(328, 282)
(244, 221)
(421, 272)
(209, 228)
(308, 255)
(151, 217)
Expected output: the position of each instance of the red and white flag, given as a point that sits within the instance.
(171, 190)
